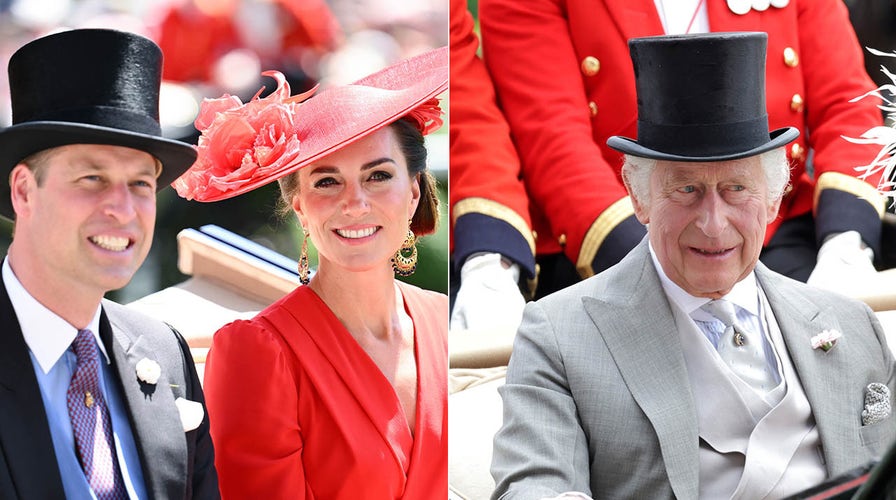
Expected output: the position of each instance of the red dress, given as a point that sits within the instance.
(299, 410)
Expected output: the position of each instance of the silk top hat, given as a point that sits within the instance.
(245, 146)
(701, 97)
(90, 86)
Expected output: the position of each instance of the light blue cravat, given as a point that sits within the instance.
(741, 349)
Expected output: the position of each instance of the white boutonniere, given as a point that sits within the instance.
(825, 340)
(148, 371)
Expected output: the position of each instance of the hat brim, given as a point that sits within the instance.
(777, 138)
(341, 115)
(17, 142)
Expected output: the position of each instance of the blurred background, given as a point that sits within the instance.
(212, 47)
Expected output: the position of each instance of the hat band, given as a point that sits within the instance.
(716, 139)
(103, 116)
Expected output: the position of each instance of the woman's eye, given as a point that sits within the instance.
(324, 182)
(380, 176)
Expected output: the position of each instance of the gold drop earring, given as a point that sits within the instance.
(402, 264)
(303, 259)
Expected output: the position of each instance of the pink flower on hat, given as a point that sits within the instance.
(241, 143)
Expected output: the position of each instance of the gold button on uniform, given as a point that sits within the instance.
(797, 152)
(797, 105)
(790, 57)
(590, 66)
(562, 240)
(592, 106)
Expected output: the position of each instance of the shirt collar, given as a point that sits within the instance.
(744, 294)
(47, 335)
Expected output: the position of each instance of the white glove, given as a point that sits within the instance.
(844, 264)
(489, 296)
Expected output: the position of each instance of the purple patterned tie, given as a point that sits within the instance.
(91, 424)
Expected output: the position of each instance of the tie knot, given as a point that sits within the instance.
(84, 345)
(723, 310)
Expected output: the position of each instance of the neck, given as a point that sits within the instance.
(368, 302)
(70, 301)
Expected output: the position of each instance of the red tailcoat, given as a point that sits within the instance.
(489, 205)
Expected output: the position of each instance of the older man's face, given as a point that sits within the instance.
(708, 221)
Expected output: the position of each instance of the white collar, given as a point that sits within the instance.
(745, 292)
(46, 334)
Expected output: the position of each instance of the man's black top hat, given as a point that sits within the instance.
(701, 97)
(88, 86)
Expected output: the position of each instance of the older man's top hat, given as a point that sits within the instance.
(701, 97)
(87, 86)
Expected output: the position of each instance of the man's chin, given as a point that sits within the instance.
(112, 281)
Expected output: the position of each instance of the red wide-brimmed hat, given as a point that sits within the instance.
(245, 146)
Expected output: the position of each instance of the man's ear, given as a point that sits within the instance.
(22, 184)
(641, 212)
(772, 212)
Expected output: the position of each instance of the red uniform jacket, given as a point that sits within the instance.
(489, 205)
(565, 81)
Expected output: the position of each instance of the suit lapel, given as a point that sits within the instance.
(637, 326)
(24, 431)
(635, 18)
(821, 374)
(153, 416)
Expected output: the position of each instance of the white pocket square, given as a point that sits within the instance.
(877, 403)
(191, 413)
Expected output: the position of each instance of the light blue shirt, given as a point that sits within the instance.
(49, 339)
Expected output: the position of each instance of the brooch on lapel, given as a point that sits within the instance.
(148, 371)
(825, 340)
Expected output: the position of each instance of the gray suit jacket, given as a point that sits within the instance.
(598, 398)
(175, 464)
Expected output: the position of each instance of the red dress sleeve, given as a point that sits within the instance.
(252, 404)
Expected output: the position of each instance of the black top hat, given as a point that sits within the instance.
(701, 97)
(88, 86)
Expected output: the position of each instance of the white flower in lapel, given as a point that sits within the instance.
(825, 340)
(148, 371)
(191, 413)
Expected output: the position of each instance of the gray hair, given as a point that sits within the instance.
(636, 172)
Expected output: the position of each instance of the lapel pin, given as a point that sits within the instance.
(825, 340)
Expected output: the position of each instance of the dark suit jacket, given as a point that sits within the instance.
(175, 464)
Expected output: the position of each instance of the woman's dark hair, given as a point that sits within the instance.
(410, 140)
